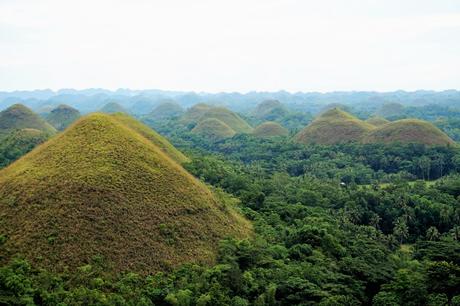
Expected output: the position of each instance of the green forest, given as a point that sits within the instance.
(344, 224)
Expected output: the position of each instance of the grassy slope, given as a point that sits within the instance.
(229, 118)
(270, 129)
(62, 116)
(377, 121)
(18, 117)
(409, 131)
(213, 129)
(151, 135)
(101, 189)
(194, 113)
(334, 126)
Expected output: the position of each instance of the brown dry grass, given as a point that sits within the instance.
(100, 188)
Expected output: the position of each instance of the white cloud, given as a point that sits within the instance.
(238, 45)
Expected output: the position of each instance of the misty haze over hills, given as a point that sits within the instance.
(92, 99)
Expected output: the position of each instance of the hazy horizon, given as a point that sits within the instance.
(230, 46)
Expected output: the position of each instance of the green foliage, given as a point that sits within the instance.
(19, 142)
(344, 224)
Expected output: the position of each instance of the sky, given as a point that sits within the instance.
(234, 45)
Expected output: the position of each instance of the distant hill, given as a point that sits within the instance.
(113, 107)
(18, 117)
(389, 110)
(194, 113)
(377, 121)
(409, 131)
(334, 126)
(152, 136)
(62, 116)
(213, 129)
(230, 118)
(270, 110)
(166, 110)
(270, 129)
(142, 107)
(19, 142)
(102, 189)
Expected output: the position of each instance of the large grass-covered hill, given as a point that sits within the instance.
(409, 131)
(229, 118)
(18, 117)
(270, 129)
(102, 189)
(213, 129)
(334, 126)
(62, 116)
(194, 113)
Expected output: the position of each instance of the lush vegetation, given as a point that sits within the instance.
(342, 224)
(19, 142)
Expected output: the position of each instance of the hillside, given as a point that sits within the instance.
(409, 131)
(334, 126)
(151, 135)
(101, 189)
(194, 113)
(62, 116)
(18, 116)
(112, 107)
(166, 110)
(19, 142)
(270, 129)
(270, 110)
(377, 121)
(228, 117)
(213, 129)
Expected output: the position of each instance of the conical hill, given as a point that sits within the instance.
(270, 129)
(213, 129)
(62, 116)
(18, 117)
(102, 189)
(409, 131)
(334, 126)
